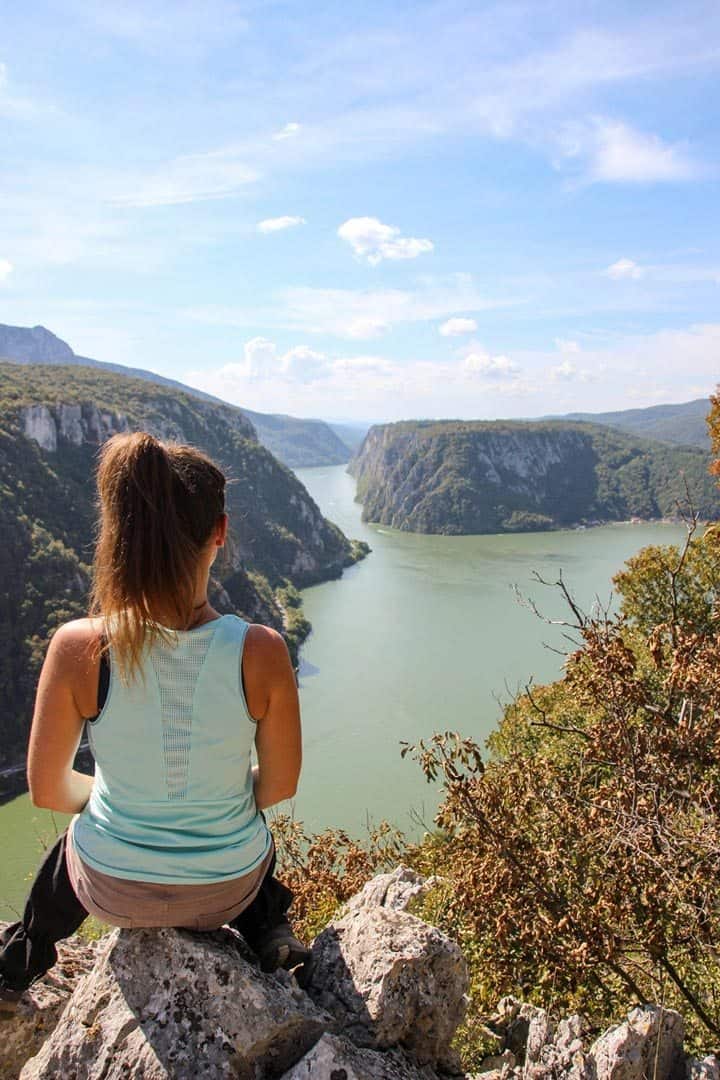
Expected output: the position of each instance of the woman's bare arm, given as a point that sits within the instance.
(272, 698)
(57, 725)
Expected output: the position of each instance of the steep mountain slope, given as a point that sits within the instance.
(301, 444)
(487, 477)
(297, 443)
(53, 418)
(684, 423)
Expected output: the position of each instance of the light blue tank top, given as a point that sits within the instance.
(173, 797)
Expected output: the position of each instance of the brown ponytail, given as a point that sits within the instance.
(158, 505)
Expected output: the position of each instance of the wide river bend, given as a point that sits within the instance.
(425, 634)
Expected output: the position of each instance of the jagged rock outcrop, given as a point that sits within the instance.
(383, 1002)
(648, 1043)
(451, 476)
(171, 1005)
(391, 980)
(166, 1003)
(74, 423)
(395, 890)
(537, 1046)
(336, 1057)
(41, 1006)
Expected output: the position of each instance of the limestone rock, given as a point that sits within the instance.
(336, 1058)
(163, 1004)
(707, 1068)
(390, 979)
(40, 1007)
(649, 1043)
(394, 890)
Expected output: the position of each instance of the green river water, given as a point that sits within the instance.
(425, 634)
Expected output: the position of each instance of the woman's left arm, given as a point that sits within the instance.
(57, 726)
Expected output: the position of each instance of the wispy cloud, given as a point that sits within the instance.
(6, 269)
(289, 131)
(356, 313)
(611, 151)
(624, 268)
(456, 327)
(217, 174)
(370, 239)
(277, 224)
(564, 370)
(481, 363)
(191, 25)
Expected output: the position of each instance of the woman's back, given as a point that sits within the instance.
(173, 794)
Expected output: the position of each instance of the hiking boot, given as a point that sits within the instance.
(281, 949)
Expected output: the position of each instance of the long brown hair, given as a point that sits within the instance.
(158, 505)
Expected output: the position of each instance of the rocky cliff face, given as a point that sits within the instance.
(456, 477)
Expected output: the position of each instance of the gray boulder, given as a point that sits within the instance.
(335, 1056)
(390, 979)
(707, 1068)
(648, 1044)
(163, 1004)
(394, 890)
(40, 1007)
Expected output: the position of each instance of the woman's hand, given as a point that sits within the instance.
(272, 699)
(57, 725)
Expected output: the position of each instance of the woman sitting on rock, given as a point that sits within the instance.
(170, 831)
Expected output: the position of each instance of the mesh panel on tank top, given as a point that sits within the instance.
(177, 668)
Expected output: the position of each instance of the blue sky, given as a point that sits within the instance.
(370, 211)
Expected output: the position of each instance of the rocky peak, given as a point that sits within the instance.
(34, 345)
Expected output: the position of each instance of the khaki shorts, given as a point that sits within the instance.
(135, 904)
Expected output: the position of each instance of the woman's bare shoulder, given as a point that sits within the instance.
(265, 650)
(78, 639)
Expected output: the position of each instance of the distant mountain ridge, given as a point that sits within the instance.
(684, 423)
(457, 477)
(298, 443)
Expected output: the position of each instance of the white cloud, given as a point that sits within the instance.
(260, 358)
(563, 345)
(457, 326)
(191, 178)
(287, 132)
(610, 151)
(372, 240)
(623, 154)
(565, 370)
(6, 269)
(481, 363)
(304, 364)
(277, 224)
(624, 268)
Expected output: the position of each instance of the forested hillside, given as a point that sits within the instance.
(684, 424)
(52, 421)
(511, 476)
(297, 442)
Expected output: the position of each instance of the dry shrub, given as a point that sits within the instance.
(326, 869)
